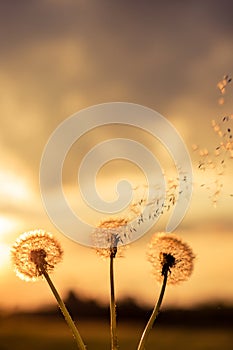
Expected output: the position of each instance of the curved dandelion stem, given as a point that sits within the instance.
(145, 334)
(70, 322)
(114, 340)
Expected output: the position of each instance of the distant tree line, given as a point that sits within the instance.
(214, 315)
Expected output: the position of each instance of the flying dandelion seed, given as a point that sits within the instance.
(159, 203)
(221, 85)
(221, 101)
(217, 160)
(167, 251)
(35, 252)
(195, 147)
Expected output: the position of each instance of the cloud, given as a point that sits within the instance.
(59, 57)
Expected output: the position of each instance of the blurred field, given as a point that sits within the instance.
(24, 333)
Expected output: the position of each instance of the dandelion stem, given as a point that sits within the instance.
(65, 312)
(150, 323)
(114, 341)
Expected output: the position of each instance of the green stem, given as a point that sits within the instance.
(114, 341)
(65, 313)
(145, 334)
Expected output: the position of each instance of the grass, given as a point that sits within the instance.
(26, 333)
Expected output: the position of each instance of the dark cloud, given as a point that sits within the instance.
(133, 25)
(130, 39)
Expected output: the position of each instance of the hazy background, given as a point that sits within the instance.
(58, 57)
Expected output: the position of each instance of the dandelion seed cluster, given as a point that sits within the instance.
(110, 236)
(168, 247)
(34, 251)
(222, 85)
(217, 159)
(159, 204)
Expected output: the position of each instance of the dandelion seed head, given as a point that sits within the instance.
(167, 251)
(110, 236)
(34, 252)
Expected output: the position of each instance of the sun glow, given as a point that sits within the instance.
(7, 227)
(13, 187)
(4, 254)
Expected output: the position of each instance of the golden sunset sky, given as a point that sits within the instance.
(59, 57)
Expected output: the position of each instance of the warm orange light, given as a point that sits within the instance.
(12, 186)
(4, 255)
(7, 225)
